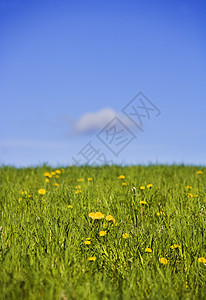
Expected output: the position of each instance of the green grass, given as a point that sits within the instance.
(43, 254)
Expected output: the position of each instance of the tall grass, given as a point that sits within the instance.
(43, 254)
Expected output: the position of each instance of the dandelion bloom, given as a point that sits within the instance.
(58, 172)
(175, 246)
(47, 180)
(188, 187)
(121, 177)
(41, 191)
(143, 202)
(56, 184)
(53, 173)
(78, 191)
(161, 213)
(124, 183)
(78, 186)
(96, 216)
(202, 259)
(89, 179)
(110, 218)
(189, 195)
(149, 185)
(87, 242)
(70, 206)
(92, 258)
(80, 179)
(142, 187)
(199, 172)
(148, 250)
(102, 233)
(47, 174)
(163, 260)
(125, 235)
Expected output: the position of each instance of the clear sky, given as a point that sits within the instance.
(68, 68)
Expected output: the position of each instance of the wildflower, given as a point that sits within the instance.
(29, 196)
(116, 224)
(80, 179)
(142, 187)
(89, 179)
(47, 174)
(202, 259)
(56, 184)
(58, 172)
(196, 196)
(53, 173)
(102, 233)
(124, 183)
(125, 235)
(87, 242)
(104, 225)
(70, 206)
(96, 216)
(148, 250)
(199, 172)
(24, 192)
(143, 202)
(78, 186)
(92, 258)
(41, 191)
(161, 213)
(163, 261)
(175, 246)
(110, 218)
(121, 177)
(189, 195)
(88, 239)
(47, 180)
(188, 187)
(149, 185)
(78, 191)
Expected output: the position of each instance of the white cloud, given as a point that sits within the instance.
(93, 121)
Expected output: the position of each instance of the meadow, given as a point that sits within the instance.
(110, 232)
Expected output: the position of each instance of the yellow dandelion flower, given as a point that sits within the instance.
(58, 172)
(99, 215)
(87, 242)
(189, 195)
(88, 239)
(92, 258)
(53, 173)
(124, 183)
(80, 179)
(78, 186)
(125, 235)
(41, 191)
(202, 260)
(92, 215)
(196, 196)
(89, 179)
(148, 250)
(121, 177)
(47, 180)
(143, 202)
(29, 196)
(56, 184)
(188, 187)
(110, 218)
(78, 191)
(163, 260)
(104, 225)
(175, 246)
(47, 174)
(142, 187)
(199, 172)
(70, 206)
(149, 185)
(102, 233)
(161, 213)
(24, 192)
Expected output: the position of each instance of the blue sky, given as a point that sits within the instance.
(68, 68)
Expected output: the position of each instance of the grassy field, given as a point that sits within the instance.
(103, 233)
